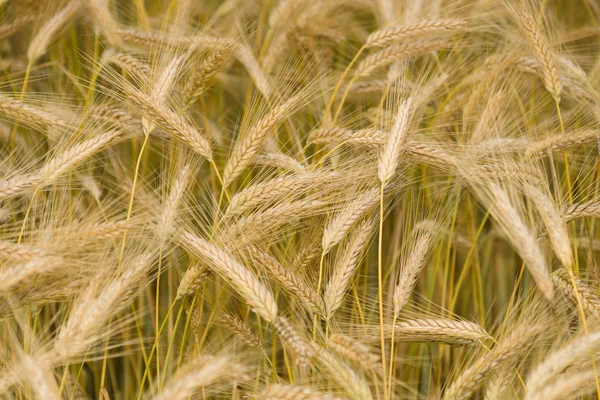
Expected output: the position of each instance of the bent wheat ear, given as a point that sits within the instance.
(354, 351)
(523, 241)
(62, 162)
(348, 380)
(256, 294)
(560, 142)
(133, 66)
(471, 379)
(581, 210)
(96, 305)
(28, 115)
(555, 226)
(575, 352)
(171, 121)
(456, 332)
(580, 292)
(568, 386)
(294, 341)
(369, 136)
(267, 192)
(241, 330)
(58, 165)
(293, 392)
(390, 54)
(198, 374)
(16, 274)
(279, 160)
(289, 280)
(386, 36)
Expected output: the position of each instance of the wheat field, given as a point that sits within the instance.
(299, 199)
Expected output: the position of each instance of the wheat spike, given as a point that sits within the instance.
(393, 53)
(256, 294)
(40, 42)
(387, 36)
(541, 51)
(412, 269)
(471, 379)
(289, 280)
(346, 267)
(555, 226)
(251, 143)
(390, 154)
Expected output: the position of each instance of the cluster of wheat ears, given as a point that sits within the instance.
(299, 199)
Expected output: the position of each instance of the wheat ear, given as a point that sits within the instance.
(191, 280)
(359, 353)
(39, 43)
(587, 295)
(341, 223)
(256, 294)
(171, 121)
(28, 115)
(348, 380)
(581, 210)
(294, 341)
(386, 36)
(390, 154)
(541, 51)
(553, 221)
(198, 374)
(202, 76)
(247, 146)
(471, 378)
(568, 386)
(412, 269)
(346, 267)
(279, 391)
(463, 333)
(390, 54)
(577, 351)
(520, 237)
(241, 330)
(289, 280)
